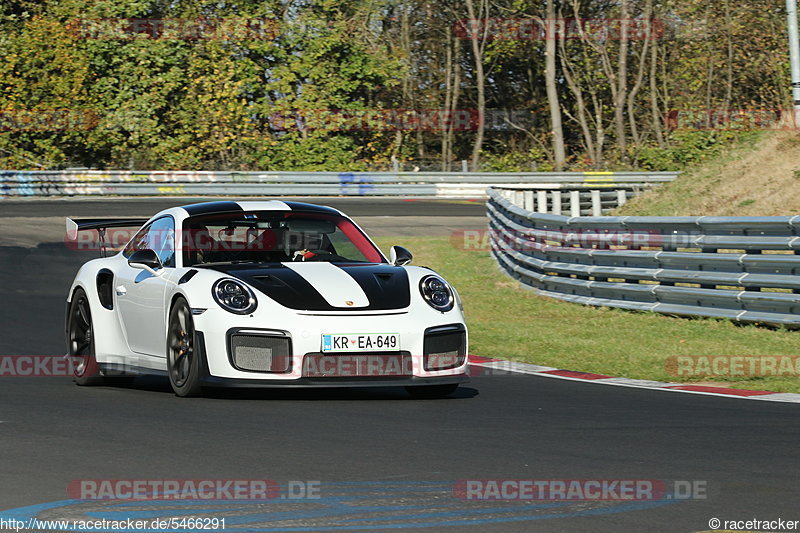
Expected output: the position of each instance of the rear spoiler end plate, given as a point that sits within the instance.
(74, 225)
(100, 224)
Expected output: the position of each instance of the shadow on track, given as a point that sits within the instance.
(160, 384)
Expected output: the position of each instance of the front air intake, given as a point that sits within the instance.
(256, 351)
(445, 347)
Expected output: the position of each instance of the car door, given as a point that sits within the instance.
(141, 295)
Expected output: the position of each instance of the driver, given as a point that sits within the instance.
(318, 242)
(197, 243)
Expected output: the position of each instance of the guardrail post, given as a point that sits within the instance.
(597, 208)
(622, 197)
(528, 204)
(574, 203)
(541, 201)
(556, 202)
(518, 198)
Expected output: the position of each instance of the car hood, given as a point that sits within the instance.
(323, 286)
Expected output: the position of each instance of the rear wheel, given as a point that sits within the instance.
(183, 363)
(427, 392)
(80, 341)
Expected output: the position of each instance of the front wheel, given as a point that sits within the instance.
(183, 362)
(80, 341)
(428, 392)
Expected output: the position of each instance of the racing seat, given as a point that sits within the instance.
(197, 244)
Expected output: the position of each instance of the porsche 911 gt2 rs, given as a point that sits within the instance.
(261, 293)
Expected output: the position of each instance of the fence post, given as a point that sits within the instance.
(574, 203)
(528, 205)
(556, 202)
(622, 197)
(541, 201)
(597, 208)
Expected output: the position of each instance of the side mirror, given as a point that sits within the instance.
(145, 260)
(399, 256)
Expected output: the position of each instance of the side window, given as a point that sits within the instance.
(138, 242)
(158, 236)
(162, 239)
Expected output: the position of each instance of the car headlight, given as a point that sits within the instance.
(234, 296)
(437, 293)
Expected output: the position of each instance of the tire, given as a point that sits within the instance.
(80, 341)
(429, 392)
(183, 361)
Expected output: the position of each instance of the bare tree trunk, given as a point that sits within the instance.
(655, 113)
(599, 128)
(580, 103)
(478, 46)
(639, 77)
(448, 73)
(729, 62)
(622, 83)
(557, 130)
(453, 107)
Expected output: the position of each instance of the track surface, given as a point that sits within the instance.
(373, 448)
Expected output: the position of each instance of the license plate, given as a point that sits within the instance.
(360, 342)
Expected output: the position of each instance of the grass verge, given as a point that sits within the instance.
(510, 322)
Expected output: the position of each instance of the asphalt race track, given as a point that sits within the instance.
(372, 459)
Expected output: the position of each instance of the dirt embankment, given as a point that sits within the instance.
(747, 180)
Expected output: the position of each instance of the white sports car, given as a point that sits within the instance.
(262, 293)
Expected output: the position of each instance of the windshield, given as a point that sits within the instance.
(274, 237)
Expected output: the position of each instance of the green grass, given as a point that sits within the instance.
(510, 322)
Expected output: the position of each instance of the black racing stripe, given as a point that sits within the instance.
(208, 208)
(386, 286)
(311, 208)
(280, 283)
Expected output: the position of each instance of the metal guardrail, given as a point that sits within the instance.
(15, 183)
(689, 266)
(572, 200)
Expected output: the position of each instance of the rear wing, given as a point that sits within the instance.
(101, 224)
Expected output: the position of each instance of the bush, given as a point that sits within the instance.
(689, 147)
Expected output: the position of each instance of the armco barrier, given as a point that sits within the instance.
(741, 268)
(549, 187)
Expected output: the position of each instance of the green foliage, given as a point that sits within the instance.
(534, 159)
(141, 101)
(689, 147)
